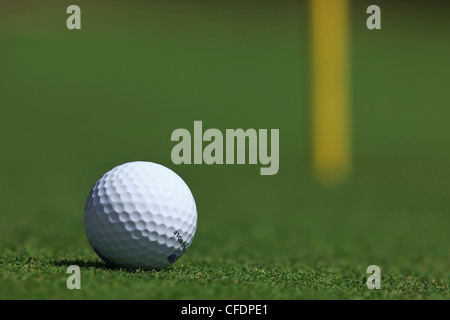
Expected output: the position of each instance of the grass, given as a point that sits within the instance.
(74, 105)
(35, 278)
(272, 252)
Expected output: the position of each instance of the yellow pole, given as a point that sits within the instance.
(330, 90)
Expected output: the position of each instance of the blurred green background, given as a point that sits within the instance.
(74, 104)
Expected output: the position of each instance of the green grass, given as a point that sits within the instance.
(75, 104)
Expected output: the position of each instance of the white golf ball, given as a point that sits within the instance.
(140, 215)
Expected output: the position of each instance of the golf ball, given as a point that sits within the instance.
(140, 215)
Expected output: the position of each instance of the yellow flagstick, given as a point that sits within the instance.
(330, 90)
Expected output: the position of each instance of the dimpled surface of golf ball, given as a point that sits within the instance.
(140, 215)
